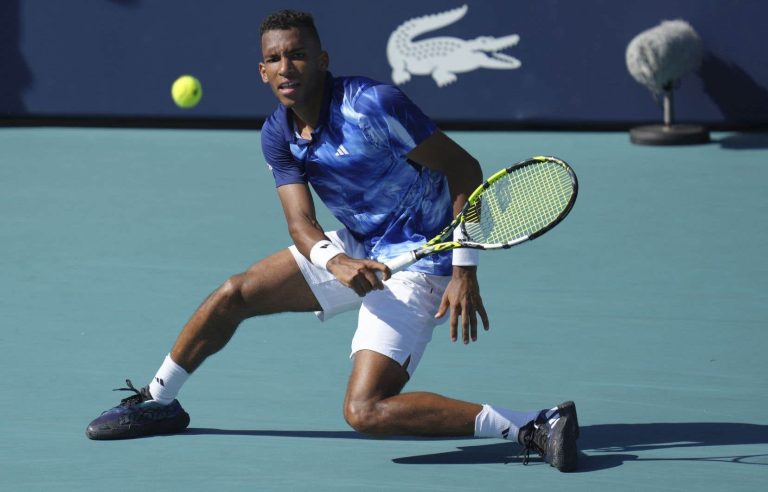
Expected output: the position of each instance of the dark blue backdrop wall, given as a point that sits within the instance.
(117, 58)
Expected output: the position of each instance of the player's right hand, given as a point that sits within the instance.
(357, 274)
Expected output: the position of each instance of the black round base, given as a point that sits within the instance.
(668, 135)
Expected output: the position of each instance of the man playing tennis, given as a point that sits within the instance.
(393, 180)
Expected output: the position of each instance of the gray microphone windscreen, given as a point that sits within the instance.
(663, 54)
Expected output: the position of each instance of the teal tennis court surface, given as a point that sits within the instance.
(648, 306)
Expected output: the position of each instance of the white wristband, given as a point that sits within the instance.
(322, 252)
(464, 256)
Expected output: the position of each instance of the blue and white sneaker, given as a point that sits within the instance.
(138, 416)
(553, 436)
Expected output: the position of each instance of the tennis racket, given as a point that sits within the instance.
(517, 204)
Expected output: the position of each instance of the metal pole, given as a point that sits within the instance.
(668, 113)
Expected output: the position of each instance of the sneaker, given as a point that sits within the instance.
(553, 438)
(138, 416)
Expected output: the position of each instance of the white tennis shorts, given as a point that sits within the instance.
(396, 322)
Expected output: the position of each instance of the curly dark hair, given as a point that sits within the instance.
(287, 19)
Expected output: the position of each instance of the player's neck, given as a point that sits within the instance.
(302, 127)
(306, 115)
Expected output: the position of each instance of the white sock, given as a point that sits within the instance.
(501, 423)
(168, 381)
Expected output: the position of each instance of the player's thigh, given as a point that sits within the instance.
(399, 320)
(275, 284)
(374, 377)
(395, 326)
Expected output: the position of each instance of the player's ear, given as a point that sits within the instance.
(263, 72)
(325, 60)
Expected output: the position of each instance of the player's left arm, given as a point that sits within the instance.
(462, 296)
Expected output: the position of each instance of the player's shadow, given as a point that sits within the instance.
(603, 446)
(612, 445)
(198, 431)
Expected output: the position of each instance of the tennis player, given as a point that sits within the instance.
(393, 180)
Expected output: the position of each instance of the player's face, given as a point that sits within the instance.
(293, 65)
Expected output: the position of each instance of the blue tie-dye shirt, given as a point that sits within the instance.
(356, 163)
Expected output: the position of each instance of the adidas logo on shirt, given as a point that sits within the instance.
(341, 151)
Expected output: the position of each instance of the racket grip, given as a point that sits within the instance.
(401, 262)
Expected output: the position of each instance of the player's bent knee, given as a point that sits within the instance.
(363, 417)
(229, 298)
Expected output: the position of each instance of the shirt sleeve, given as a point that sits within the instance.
(285, 168)
(388, 117)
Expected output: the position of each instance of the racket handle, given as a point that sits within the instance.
(400, 262)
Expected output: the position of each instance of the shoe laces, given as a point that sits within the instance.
(533, 433)
(141, 395)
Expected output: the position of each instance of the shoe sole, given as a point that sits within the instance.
(115, 434)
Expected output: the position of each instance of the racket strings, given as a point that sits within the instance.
(520, 203)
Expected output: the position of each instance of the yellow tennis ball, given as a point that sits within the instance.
(186, 91)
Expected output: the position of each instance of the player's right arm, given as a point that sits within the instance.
(299, 208)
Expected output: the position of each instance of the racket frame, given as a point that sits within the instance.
(439, 242)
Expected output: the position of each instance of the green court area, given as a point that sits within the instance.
(648, 306)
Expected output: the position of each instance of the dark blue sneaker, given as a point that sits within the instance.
(138, 416)
(553, 436)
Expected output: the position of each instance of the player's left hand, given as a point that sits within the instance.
(462, 297)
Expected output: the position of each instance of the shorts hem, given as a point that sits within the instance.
(396, 355)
